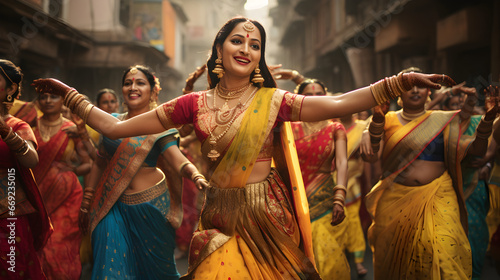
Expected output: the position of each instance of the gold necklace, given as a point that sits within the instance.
(410, 117)
(226, 120)
(310, 128)
(227, 94)
(49, 128)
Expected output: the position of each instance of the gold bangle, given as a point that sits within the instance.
(86, 114)
(83, 210)
(377, 124)
(373, 135)
(69, 96)
(399, 85)
(395, 92)
(338, 197)
(74, 100)
(339, 203)
(196, 176)
(339, 187)
(182, 165)
(376, 93)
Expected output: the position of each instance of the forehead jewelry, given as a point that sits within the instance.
(133, 71)
(8, 75)
(248, 26)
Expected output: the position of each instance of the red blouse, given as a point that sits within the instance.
(193, 108)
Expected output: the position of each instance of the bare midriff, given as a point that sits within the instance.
(421, 172)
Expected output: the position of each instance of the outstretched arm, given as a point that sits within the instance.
(147, 123)
(316, 108)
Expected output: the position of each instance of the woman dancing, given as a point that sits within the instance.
(248, 225)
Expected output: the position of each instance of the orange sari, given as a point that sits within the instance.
(62, 194)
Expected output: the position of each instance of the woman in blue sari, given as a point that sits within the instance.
(130, 206)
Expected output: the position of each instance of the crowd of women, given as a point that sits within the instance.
(96, 187)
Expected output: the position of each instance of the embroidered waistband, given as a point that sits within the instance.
(145, 195)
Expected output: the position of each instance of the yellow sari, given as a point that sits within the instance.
(249, 231)
(355, 242)
(420, 232)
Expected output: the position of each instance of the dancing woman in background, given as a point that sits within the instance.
(248, 225)
(419, 217)
(130, 208)
(322, 149)
(62, 159)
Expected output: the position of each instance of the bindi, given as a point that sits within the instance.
(313, 87)
(248, 35)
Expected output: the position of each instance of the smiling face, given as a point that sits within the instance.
(415, 98)
(241, 51)
(136, 91)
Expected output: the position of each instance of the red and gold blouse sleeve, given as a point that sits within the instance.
(178, 111)
(339, 131)
(291, 107)
(22, 129)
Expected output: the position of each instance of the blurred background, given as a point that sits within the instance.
(345, 43)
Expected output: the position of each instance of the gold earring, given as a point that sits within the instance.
(218, 68)
(257, 78)
(8, 102)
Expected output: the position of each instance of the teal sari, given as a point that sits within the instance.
(478, 204)
(133, 235)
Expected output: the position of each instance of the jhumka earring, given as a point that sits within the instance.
(218, 68)
(257, 78)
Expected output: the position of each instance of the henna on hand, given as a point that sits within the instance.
(426, 80)
(51, 86)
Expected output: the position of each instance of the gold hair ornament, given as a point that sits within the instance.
(248, 26)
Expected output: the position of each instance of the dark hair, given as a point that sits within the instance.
(300, 88)
(225, 30)
(102, 92)
(446, 102)
(146, 71)
(12, 74)
(412, 69)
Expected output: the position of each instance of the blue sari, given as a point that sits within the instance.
(134, 238)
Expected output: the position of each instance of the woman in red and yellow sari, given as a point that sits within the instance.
(419, 228)
(322, 148)
(24, 223)
(250, 227)
(57, 179)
